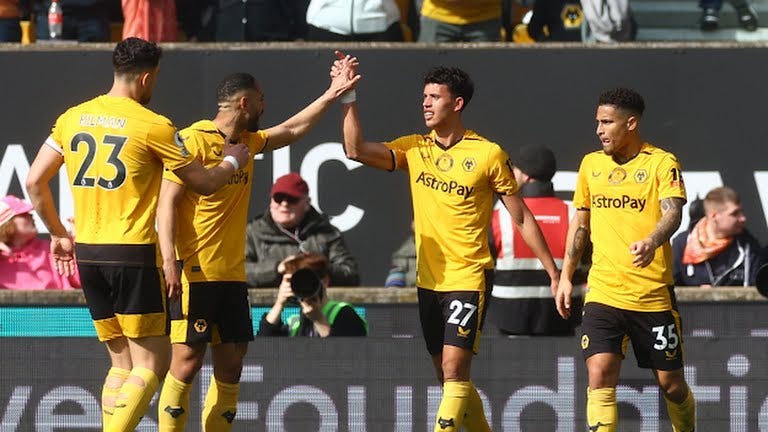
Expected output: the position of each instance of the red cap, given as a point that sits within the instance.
(291, 184)
(11, 206)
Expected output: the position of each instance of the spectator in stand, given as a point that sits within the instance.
(608, 21)
(26, 262)
(306, 281)
(710, 14)
(556, 20)
(717, 250)
(243, 20)
(152, 20)
(460, 21)
(10, 21)
(84, 20)
(523, 301)
(293, 226)
(354, 21)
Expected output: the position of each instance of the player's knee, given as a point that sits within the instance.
(186, 369)
(676, 391)
(455, 371)
(229, 372)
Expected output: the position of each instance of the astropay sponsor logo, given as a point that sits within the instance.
(450, 187)
(622, 202)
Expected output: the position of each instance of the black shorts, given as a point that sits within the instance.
(453, 317)
(215, 312)
(656, 336)
(125, 300)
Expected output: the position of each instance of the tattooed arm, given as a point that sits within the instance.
(575, 244)
(671, 215)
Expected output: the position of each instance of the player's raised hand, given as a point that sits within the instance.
(344, 63)
(63, 251)
(344, 76)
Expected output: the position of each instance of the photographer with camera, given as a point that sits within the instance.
(305, 282)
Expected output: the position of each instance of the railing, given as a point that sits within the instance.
(373, 295)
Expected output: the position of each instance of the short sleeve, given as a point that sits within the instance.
(670, 178)
(169, 146)
(581, 199)
(257, 141)
(190, 143)
(400, 146)
(500, 173)
(54, 139)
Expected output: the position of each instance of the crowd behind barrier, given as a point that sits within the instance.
(518, 21)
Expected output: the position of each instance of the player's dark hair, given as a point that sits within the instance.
(134, 55)
(624, 98)
(457, 81)
(234, 83)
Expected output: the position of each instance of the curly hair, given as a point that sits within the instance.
(623, 98)
(457, 81)
(134, 55)
(234, 83)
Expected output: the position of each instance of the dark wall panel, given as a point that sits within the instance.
(703, 104)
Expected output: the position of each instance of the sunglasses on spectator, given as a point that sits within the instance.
(279, 198)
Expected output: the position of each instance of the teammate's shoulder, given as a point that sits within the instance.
(415, 136)
(483, 144)
(161, 119)
(201, 126)
(595, 155)
(471, 135)
(411, 139)
(85, 105)
(137, 111)
(657, 152)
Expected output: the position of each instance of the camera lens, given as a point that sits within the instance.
(305, 283)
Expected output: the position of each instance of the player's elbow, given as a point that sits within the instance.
(203, 185)
(352, 151)
(34, 186)
(205, 188)
(353, 155)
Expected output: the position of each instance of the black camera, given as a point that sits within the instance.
(305, 283)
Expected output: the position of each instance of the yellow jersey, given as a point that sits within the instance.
(624, 205)
(210, 230)
(461, 13)
(453, 191)
(114, 150)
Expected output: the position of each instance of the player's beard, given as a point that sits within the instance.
(145, 98)
(253, 125)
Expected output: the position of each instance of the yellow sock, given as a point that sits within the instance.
(133, 400)
(474, 420)
(456, 396)
(220, 406)
(683, 415)
(173, 406)
(602, 410)
(115, 379)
